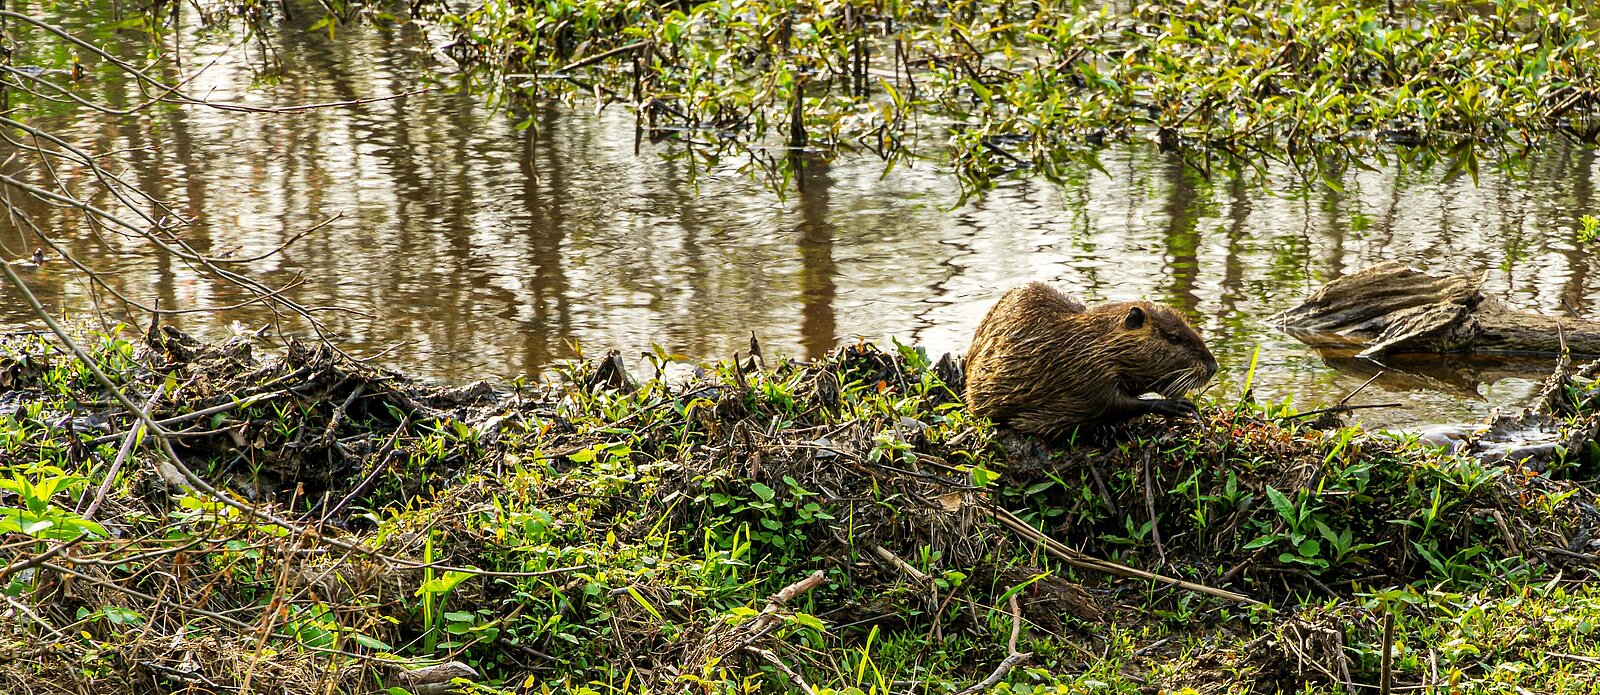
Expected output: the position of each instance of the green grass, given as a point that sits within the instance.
(685, 506)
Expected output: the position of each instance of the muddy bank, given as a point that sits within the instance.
(665, 524)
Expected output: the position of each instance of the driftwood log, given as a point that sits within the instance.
(1391, 308)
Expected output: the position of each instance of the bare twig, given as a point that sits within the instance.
(775, 661)
(41, 558)
(1150, 508)
(1082, 561)
(128, 441)
(900, 564)
(1386, 659)
(1013, 657)
(1341, 409)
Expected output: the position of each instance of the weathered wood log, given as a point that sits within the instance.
(1392, 308)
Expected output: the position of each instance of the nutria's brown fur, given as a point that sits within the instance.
(1043, 363)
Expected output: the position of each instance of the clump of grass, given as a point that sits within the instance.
(639, 529)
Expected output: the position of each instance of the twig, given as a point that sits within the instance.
(1013, 657)
(1150, 508)
(338, 415)
(1585, 557)
(1343, 405)
(122, 457)
(1362, 387)
(231, 622)
(900, 564)
(383, 465)
(196, 415)
(1574, 657)
(41, 558)
(1016, 625)
(1341, 409)
(1386, 663)
(775, 661)
(584, 62)
(1082, 561)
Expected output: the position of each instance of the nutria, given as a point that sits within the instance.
(1043, 363)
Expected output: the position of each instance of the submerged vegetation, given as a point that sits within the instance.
(835, 526)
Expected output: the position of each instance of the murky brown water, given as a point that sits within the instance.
(481, 252)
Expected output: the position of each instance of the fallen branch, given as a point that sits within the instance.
(1341, 409)
(35, 561)
(1082, 561)
(900, 564)
(775, 661)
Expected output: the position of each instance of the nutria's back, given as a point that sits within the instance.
(1042, 362)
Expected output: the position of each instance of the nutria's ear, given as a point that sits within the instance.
(1135, 319)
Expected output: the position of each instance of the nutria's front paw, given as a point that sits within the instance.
(1176, 407)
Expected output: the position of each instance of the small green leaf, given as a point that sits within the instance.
(1261, 542)
(811, 621)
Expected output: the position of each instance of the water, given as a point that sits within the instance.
(475, 250)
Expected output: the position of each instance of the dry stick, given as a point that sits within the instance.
(1342, 409)
(231, 622)
(383, 465)
(1342, 406)
(1574, 657)
(196, 415)
(1013, 657)
(773, 658)
(39, 559)
(1386, 664)
(900, 564)
(133, 435)
(1082, 561)
(338, 415)
(768, 619)
(25, 610)
(1150, 508)
(585, 62)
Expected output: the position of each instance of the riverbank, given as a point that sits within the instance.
(840, 524)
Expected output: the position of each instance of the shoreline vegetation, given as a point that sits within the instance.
(991, 89)
(756, 525)
(1031, 88)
